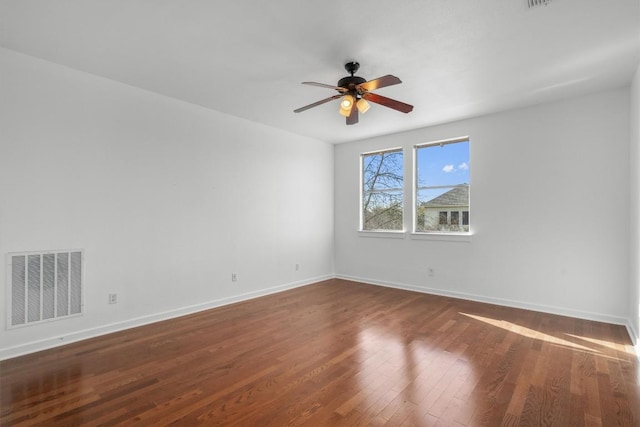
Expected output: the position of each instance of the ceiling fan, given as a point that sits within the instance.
(356, 91)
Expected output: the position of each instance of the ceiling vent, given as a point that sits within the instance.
(536, 3)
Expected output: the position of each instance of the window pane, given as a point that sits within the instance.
(382, 191)
(443, 165)
(383, 211)
(455, 218)
(442, 218)
(442, 181)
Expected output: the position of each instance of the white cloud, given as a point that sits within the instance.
(448, 168)
(464, 166)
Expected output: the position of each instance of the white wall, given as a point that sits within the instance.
(166, 198)
(634, 248)
(549, 212)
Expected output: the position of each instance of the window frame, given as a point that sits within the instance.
(438, 234)
(361, 191)
(410, 187)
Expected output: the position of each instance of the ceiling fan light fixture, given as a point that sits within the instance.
(363, 105)
(346, 103)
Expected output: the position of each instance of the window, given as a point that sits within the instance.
(382, 190)
(455, 215)
(443, 218)
(442, 186)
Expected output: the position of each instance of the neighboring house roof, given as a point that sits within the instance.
(458, 196)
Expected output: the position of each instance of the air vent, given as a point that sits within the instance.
(44, 286)
(535, 3)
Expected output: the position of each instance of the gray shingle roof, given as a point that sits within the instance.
(458, 196)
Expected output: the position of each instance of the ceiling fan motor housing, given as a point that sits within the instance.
(350, 82)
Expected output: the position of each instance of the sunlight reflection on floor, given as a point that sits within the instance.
(420, 371)
(530, 333)
(614, 346)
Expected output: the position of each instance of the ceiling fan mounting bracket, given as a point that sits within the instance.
(351, 67)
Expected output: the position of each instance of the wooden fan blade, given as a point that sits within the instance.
(383, 81)
(352, 119)
(338, 88)
(315, 104)
(388, 102)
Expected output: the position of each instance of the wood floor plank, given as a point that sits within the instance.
(335, 353)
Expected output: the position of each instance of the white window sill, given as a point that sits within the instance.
(385, 234)
(443, 237)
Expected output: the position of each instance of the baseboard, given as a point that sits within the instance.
(497, 301)
(32, 347)
(633, 334)
(634, 337)
(53, 342)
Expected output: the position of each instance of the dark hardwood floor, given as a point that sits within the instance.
(336, 353)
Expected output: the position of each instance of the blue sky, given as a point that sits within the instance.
(446, 165)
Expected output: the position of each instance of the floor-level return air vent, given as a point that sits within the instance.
(44, 286)
(534, 3)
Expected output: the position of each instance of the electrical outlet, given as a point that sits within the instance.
(113, 298)
(234, 277)
(430, 272)
(297, 267)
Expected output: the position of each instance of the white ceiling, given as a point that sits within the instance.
(456, 58)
